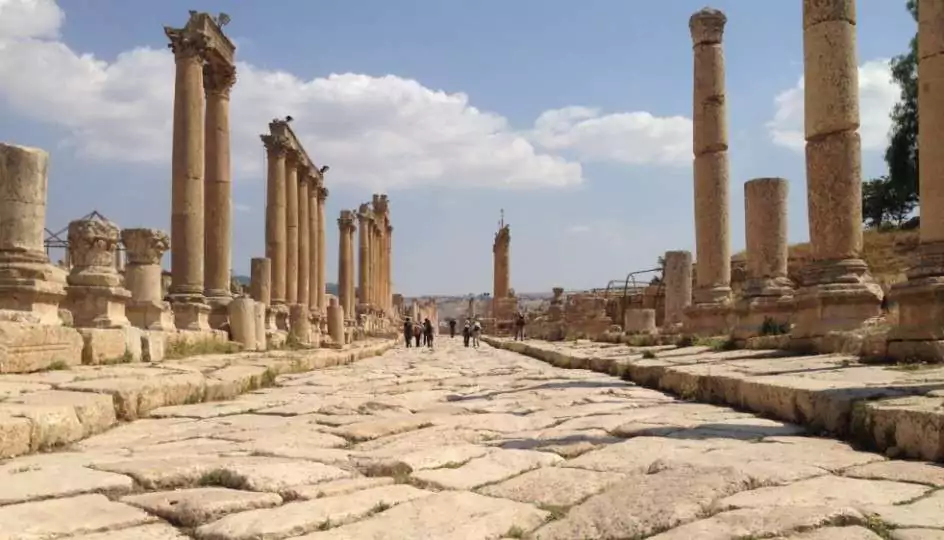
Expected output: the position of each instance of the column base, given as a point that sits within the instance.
(151, 315)
(837, 296)
(763, 316)
(219, 311)
(279, 313)
(191, 315)
(919, 334)
(707, 320)
(98, 307)
(29, 283)
(299, 324)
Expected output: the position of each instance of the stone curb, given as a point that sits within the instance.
(905, 419)
(57, 408)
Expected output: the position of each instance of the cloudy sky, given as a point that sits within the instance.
(573, 117)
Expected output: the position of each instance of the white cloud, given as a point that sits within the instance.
(578, 229)
(878, 93)
(634, 138)
(382, 132)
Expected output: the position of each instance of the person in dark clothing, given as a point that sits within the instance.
(452, 328)
(466, 333)
(417, 333)
(519, 327)
(428, 332)
(407, 331)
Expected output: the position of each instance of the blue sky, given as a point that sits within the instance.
(572, 116)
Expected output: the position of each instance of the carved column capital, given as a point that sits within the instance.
(322, 193)
(275, 145)
(218, 79)
(707, 26)
(92, 244)
(346, 221)
(186, 44)
(145, 246)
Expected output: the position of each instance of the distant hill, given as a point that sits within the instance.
(332, 288)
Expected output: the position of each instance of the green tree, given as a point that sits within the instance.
(885, 203)
(902, 153)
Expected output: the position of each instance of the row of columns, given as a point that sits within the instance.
(837, 292)
(375, 245)
(201, 213)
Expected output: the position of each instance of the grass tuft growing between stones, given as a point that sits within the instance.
(223, 478)
(878, 526)
(649, 355)
(555, 512)
(57, 365)
(515, 532)
(380, 507)
(183, 348)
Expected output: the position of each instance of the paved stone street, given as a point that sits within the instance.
(465, 444)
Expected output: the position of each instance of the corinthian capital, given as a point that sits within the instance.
(186, 44)
(218, 79)
(145, 246)
(275, 145)
(707, 26)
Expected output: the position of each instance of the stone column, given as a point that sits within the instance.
(314, 262)
(336, 318)
(710, 312)
(500, 254)
(260, 280)
(187, 162)
(300, 324)
(375, 240)
(242, 322)
(837, 292)
(291, 227)
(95, 295)
(346, 228)
(920, 299)
(363, 261)
(218, 81)
(322, 298)
(677, 278)
(304, 257)
(388, 261)
(276, 149)
(259, 310)
(145, 249)
(28, 283)
(766, 303)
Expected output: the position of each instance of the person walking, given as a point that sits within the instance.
(408, 332)
(466, 333)
(519, 326)
(476, 332)
(428, 332)
(452, 328)
(417, 332)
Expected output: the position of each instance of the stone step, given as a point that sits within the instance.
(898, 410)
(47, 410)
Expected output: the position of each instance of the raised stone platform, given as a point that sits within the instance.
(50, 409)
(898, 410)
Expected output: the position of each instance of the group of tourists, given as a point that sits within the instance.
(471, 331)
(414, 331)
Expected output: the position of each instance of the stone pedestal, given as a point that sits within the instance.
(147, 308)
(678, 287)
(242, 322)
(639, 321)
(259, 320)
(711, 310)
(837, 292)
(766, 303)
(335, 323)
(300, 324)
(95, 298)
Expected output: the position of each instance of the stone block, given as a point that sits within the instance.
(242, 322)
(14, 435)
(259, 321)
(153, 345)
(111, 345)
(150, 315)
(639, 321)
(709, 319)
(753, 314)
(191, 316)
(95, 412)
(97, 307)
(30, 347)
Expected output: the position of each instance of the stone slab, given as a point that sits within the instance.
(27, 484)
(64, 517)
(494, 467)
(194, 507)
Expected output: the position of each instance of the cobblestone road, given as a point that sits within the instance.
(457, 443)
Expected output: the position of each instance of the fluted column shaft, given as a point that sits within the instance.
(275, 215)
(322, 293)
(304, 259)
(346, 262)
(389, 269)
(313, 260)
(364, 260)
(218, 81)
(187, 227)
(291, 227)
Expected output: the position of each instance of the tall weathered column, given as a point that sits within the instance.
(766, 302)
(322, 229)
(837, 292)
(346, 228)
(388, 262)
(501, 281)
(304, 258)
(677, 276)
(187, 163)
(710, 312)
(218, 81)
(920, 300)
(145, 248)
(375, 283)
(314, 262)
(291, 227)
(260, 280)
(363, 261)
(276, 149)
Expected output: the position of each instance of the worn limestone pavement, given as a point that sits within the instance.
(468, 444)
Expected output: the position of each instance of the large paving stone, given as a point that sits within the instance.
(853, 532)
(917, 534)
(645, 504)
(828, 491)
(382, 463)
(29, 484)
(931, 474)
(924, 513)
(51, 426)
(334, 488)
(193, 507)
(299, 518)
(95, 412)
(157, 531)
(553, 486)
(135, 397)
(374, 429)
(445, 515)
(762, 523)
(494, 467)
(15, 434)
(63, 517)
